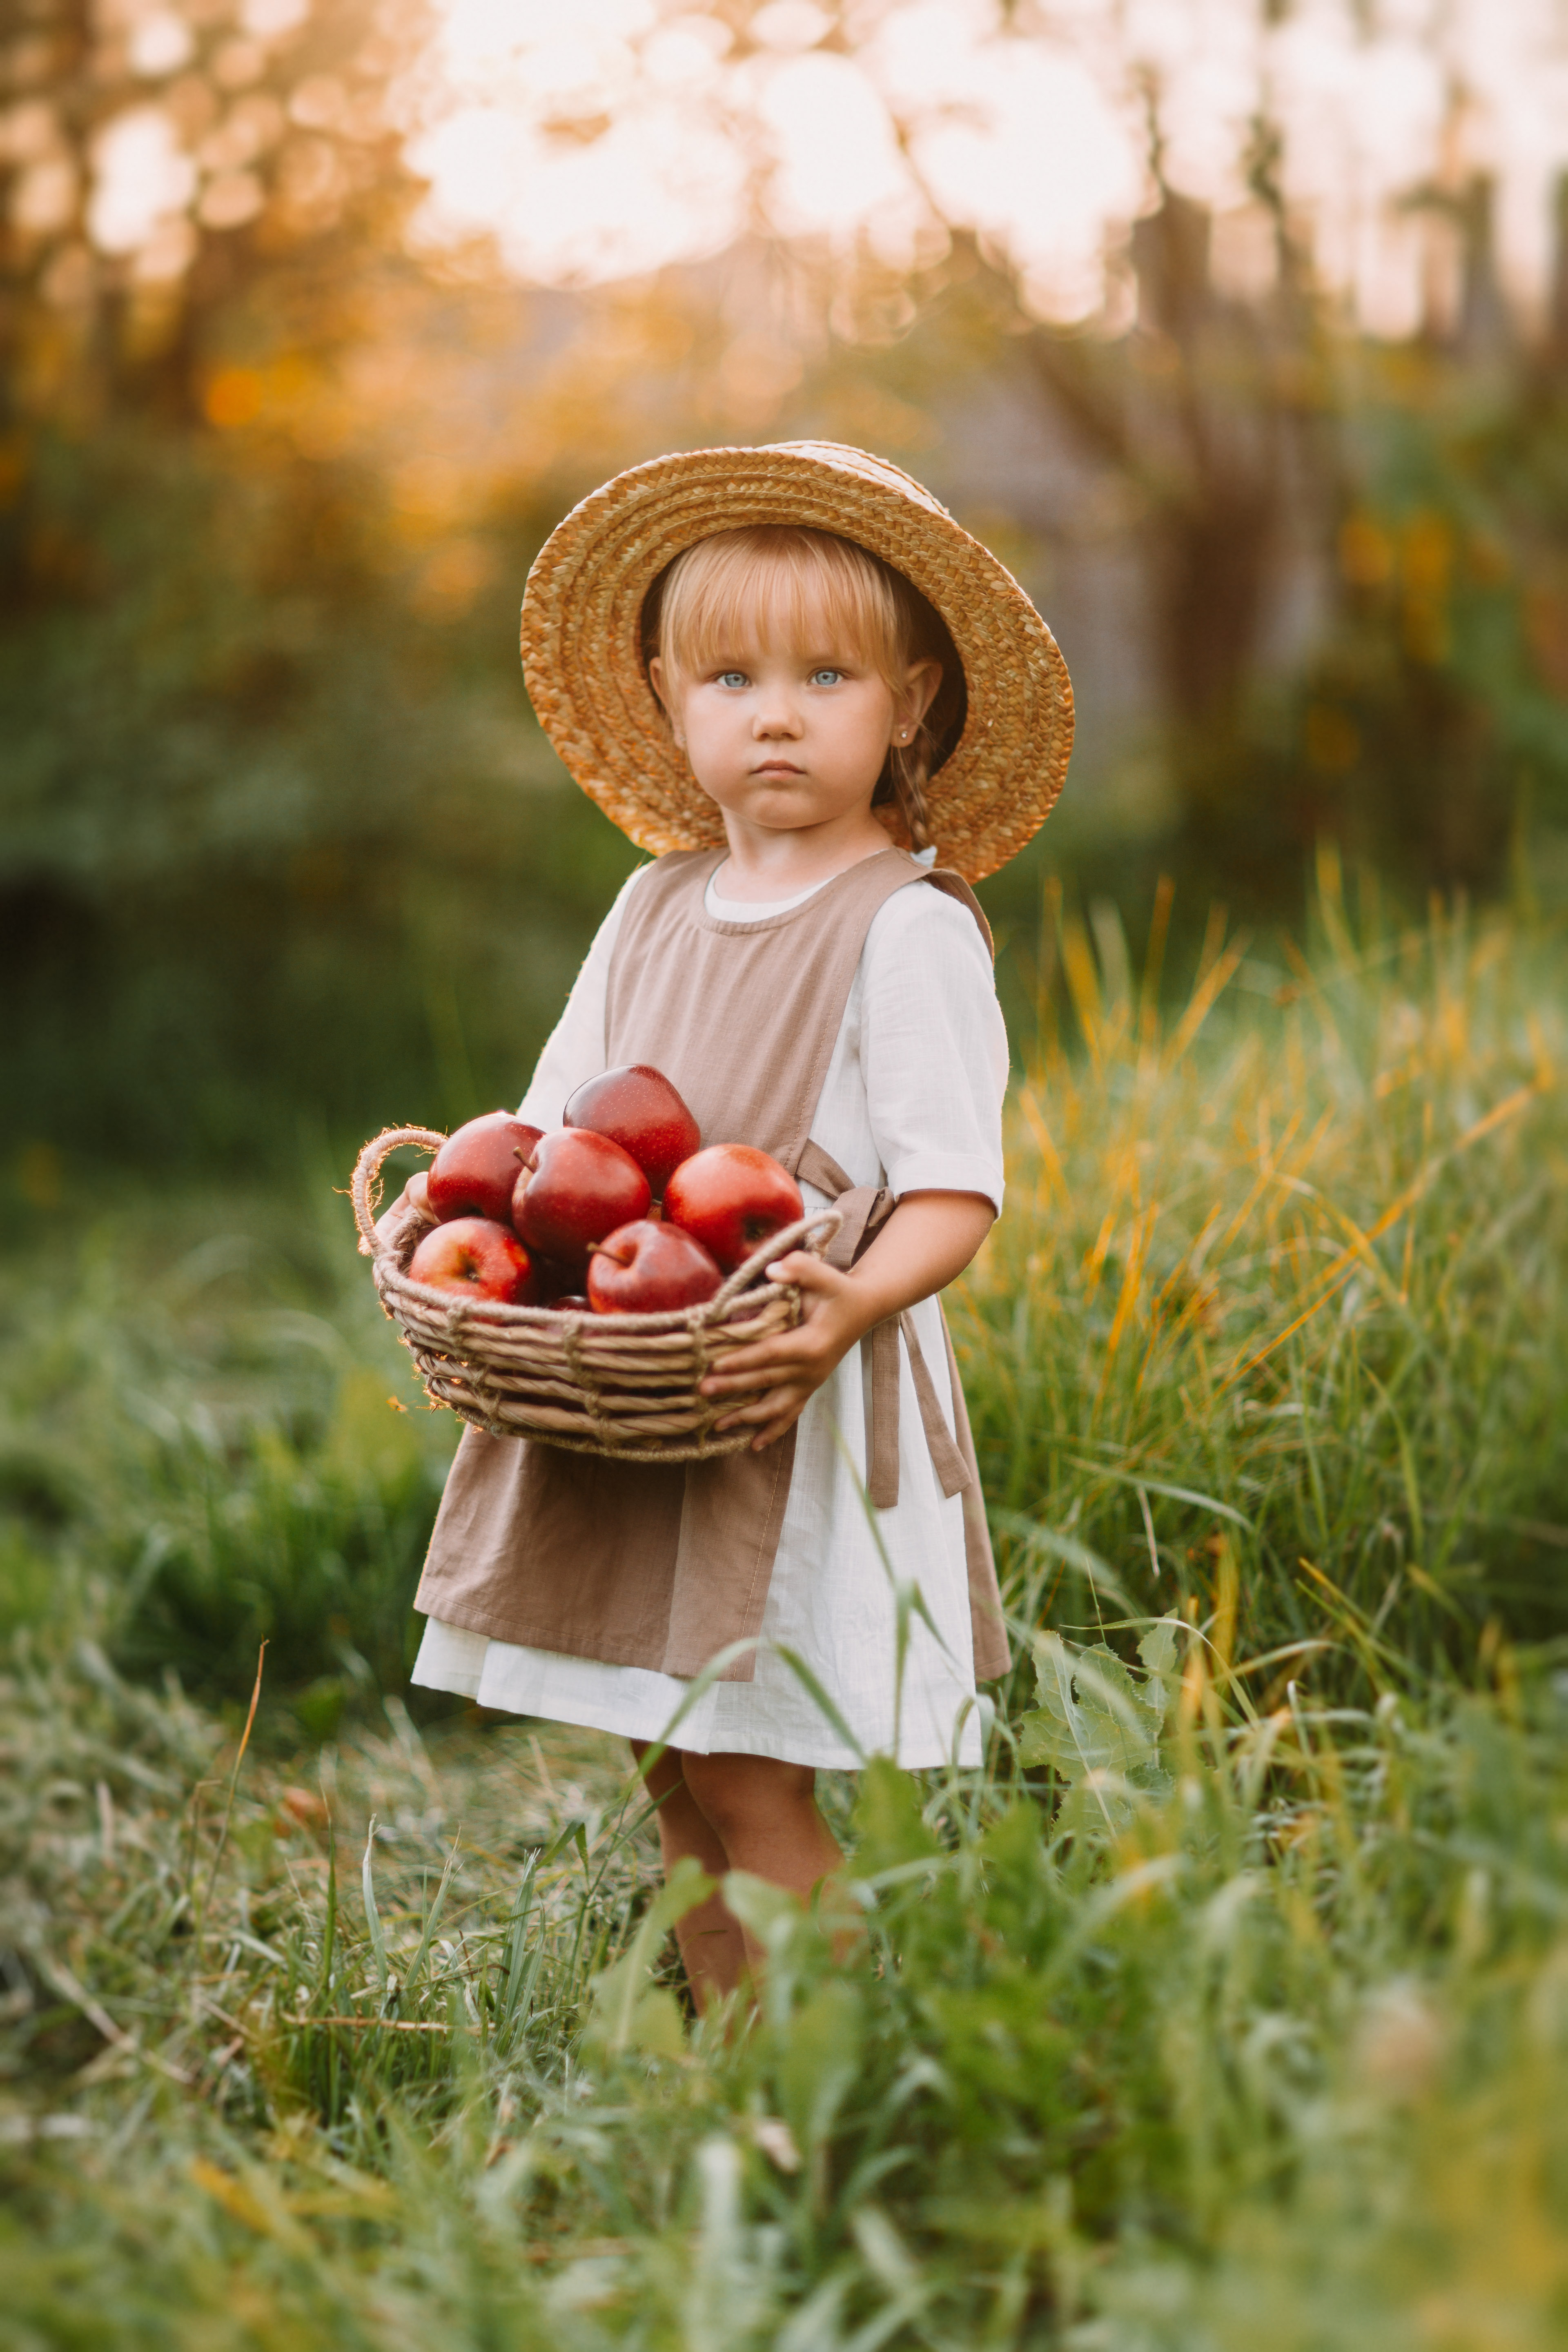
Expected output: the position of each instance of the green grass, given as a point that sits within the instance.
(1276, 1325)
(1229, 2003)
(194, 1416)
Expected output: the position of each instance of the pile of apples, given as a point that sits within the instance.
(569, 1219)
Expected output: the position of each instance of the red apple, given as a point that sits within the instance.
(474, 1173)
(478, 1256)
(639, 1109)
(580, 1188)
(645, 1270)
(731, 1198)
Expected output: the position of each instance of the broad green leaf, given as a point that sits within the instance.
(1093, 1719)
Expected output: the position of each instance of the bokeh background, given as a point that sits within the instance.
(1237, 327)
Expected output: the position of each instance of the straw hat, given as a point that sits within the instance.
(581, 640)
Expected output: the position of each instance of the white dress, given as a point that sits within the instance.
(913, 1099)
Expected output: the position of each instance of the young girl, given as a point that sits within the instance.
(790, 672)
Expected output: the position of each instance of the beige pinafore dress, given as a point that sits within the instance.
(663, 1567)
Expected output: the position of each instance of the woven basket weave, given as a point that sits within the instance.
(621, 1385)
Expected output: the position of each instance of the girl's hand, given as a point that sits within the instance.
(779, 1376)
(413, 1202)
(929, 1239)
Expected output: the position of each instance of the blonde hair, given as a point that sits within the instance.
(774, 584)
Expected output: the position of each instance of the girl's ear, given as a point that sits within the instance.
(656, 678)
(921, 680)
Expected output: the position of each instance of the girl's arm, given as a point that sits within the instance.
(928, 1240)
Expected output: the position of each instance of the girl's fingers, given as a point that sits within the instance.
(807, 1273)
(774, 1413)
(791, 1351)
(755, 1409)
(741, 1379)
(741, 1366)
(771, 1436)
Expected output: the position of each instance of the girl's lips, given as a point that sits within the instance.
(777, 768)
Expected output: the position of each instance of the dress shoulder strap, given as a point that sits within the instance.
(664, 882)
(953, 886)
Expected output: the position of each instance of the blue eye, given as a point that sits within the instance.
(826, 677)
(731, 677)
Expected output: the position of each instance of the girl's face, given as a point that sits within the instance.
(790, 740)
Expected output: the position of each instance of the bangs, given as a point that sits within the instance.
(779, 587)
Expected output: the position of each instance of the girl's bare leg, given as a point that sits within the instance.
(712, 1950)
(765, 1818)
(737, 1812)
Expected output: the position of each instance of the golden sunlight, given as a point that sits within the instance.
(630, 134)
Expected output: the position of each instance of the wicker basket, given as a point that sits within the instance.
(622, 1385)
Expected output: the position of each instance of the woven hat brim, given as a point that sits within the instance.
(581, 649)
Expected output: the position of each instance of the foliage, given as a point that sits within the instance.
(280, 848)
(200, 1411)
(153, 175)
(1283, 2050)
(1427, 728)
(1097, 1723)
(273, 855)
(1273, 1327)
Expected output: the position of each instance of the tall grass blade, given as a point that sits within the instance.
(432, 1920)
(372, 1911)
(234, 1780)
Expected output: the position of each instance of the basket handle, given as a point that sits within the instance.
(364, 1188)
(814, 1232)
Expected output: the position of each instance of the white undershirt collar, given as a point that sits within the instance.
(754, 911)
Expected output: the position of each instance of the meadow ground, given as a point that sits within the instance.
(1228, 2002)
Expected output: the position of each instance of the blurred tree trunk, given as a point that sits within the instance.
(1211, 411)
(1187, 412)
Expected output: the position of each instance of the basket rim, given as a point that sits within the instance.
(741, 1305)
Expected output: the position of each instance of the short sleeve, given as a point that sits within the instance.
(934, 1047)
(575, 1049)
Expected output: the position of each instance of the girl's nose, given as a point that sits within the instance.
(777, 716)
